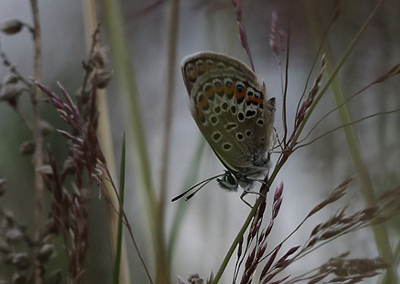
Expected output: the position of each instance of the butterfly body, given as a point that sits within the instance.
(232, 111)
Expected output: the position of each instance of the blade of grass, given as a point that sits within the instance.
(366, 188)
(163, 261)
(117, 263)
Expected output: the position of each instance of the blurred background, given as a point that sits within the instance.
(211, 220)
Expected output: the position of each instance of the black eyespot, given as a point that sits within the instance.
(216, 136)
(248, 133)
(260, 122)
(239, 136)
(228, 84)
(214, 120)
(207, 87)
(250, 113)
(258, 96)
(227, 146)
(224, 106)
(217, 110)
(230, 126)
(239, 88)
(220, 65)
(210, 62)
(201, 98)
(250, 93)
(241, 116)
(233, 109)
(217, 84)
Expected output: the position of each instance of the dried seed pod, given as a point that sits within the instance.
(103, 78)
(10, 79)
(49, 238)
(8, 220)
(46, 170)
(46, 127)
(14, 235)
(21, 261)
(55, 277)
(27, 148)
(69, 167)
(3, 186)
(45, 253)
(11, 27)
(50, 227)
(10, 93)
(100, 58)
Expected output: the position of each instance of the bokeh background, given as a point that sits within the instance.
(212, 218)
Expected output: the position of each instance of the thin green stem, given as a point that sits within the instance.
(163, 263)
(117, 262)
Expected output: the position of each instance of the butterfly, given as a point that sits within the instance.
(232, 111)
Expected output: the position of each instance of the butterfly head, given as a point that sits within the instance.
(228, 182)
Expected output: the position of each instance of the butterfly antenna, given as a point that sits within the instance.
(199, 184)
(194, 192)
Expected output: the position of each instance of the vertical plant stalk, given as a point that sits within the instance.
(127, 85)
(104, 133)
(163, 264)
(37, 134)
(366, 188)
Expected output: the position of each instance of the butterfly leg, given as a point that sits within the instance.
(242, 197)
(245, 192)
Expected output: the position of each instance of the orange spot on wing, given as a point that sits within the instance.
(241, 94)
(219, 89)
(211, 66)
(229, 90)
(203, 103)
(209, 92)
(257, 100)
(201, 69)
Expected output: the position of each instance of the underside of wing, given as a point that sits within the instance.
(231, 110)
(193, 66)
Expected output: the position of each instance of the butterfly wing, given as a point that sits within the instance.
(231, 109)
